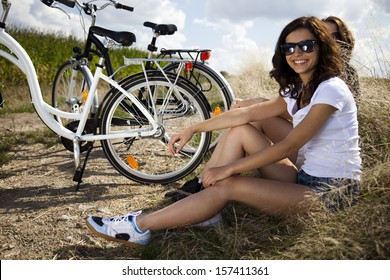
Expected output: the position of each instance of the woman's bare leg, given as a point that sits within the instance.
(246, 139)
(273, 197)
(280, 195)
(275, 129)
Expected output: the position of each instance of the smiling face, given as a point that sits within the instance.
(303, 63)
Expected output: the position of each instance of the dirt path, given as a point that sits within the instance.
(42, 217)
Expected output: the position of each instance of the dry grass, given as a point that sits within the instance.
(359, 232)
(43, 217)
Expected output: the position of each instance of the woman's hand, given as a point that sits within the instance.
(213, 175)
(236, 103)
(178, 140)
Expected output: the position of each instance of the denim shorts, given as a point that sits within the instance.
(335, 193)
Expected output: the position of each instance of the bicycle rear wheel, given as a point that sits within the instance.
(147, 159)
(70, 84)
(215, 88)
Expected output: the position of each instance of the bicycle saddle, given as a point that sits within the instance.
(123, 37)
(162, 29)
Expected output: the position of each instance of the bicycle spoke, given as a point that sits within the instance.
(153, 160)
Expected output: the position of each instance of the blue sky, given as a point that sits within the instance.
(238, 31)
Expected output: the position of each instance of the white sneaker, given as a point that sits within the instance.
(212, 222)
(119, 229)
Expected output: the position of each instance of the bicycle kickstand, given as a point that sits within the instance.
(1, 100)
(78, 175)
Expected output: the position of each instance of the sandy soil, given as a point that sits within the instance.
(42, 216)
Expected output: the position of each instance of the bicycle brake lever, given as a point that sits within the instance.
(55, 6)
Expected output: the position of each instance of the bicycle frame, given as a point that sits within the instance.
(18, 56)
(22, 60)
(164, 90)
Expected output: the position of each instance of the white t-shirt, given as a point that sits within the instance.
(334, 151)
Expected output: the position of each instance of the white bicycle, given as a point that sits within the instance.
(135, 119)
(214, 86)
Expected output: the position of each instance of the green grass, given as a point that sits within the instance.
(48, 51)
(10, 140)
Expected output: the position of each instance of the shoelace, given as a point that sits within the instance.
(123, 218)
(117, 219)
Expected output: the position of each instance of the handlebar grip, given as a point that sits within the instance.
(47, 2)
(124, 7)
(68, 3)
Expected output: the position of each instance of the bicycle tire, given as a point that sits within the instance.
(70, 83)
(154, 163)
(216, 90)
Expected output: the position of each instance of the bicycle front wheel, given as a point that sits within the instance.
(147, 159)
(70, 88)
(70, 84)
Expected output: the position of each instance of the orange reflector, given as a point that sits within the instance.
(132, 162)
(85, 95)
(205, 55)
(217, 111)
(189, 66)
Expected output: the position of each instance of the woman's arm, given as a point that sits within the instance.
(299, 136)
(240, 103)
(231, 118)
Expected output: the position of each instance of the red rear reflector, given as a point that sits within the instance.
(189, 66)
(205, 55)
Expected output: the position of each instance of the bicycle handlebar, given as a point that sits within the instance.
(68, 3)
(88, 8)
(124, 7)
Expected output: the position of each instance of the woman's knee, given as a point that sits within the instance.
(238, 131)
(226, 188)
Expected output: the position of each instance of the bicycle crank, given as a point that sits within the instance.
(89, 128)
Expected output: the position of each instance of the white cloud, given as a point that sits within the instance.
(233, 29)
(35, 14)
(384, 4)
(235, 19)
(29, 13)
(241, 10)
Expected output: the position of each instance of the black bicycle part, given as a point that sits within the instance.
(78, 175)
(68, 3)
(124, 38)
(90, 127)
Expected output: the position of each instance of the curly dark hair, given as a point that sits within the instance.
(329, 61)
(345, 37)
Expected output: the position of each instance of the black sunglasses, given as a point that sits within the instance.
(305, 46)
